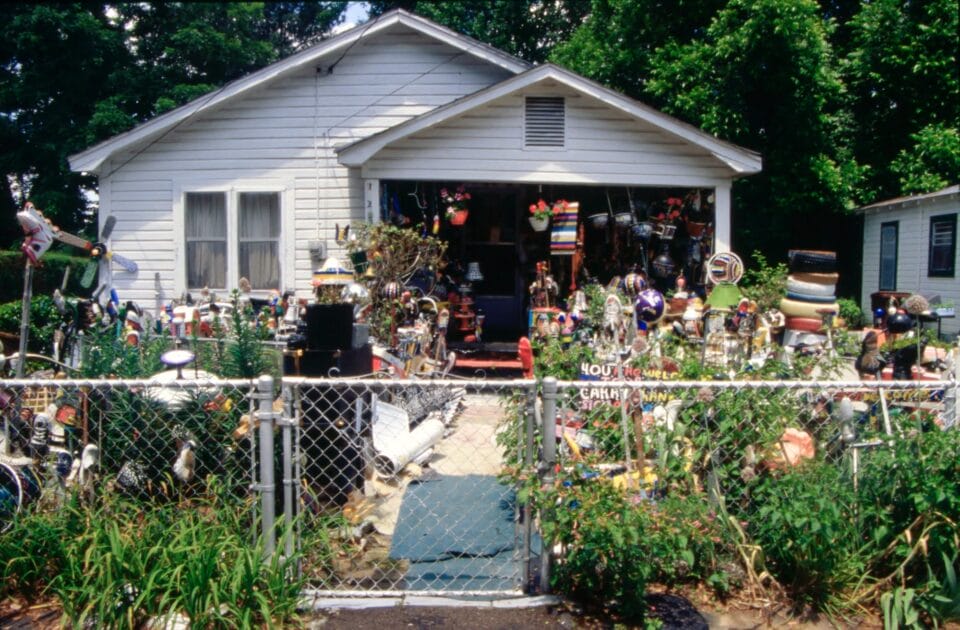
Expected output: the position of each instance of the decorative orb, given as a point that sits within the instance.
(391, 290)
(354, 293)
(663, 265)
(650, 306)
(899, 322)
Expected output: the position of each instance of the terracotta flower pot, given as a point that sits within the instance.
(539, 224)
(459, 217)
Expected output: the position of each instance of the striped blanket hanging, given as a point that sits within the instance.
(563, 238)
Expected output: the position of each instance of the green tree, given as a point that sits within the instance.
(75, 74)
(617, 42)
(763, 75)
(57, 62)
(931, 163)
(529, 30)
(900, 69)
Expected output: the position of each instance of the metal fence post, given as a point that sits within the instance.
(549, 442)
(267, 485)
(287, 423)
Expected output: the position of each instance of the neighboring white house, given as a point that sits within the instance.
(250, 179)
(910, 246)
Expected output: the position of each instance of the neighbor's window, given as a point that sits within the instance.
(888, 255)
(260, 239)
(943, 246)
(206, 237)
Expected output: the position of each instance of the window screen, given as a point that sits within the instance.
(259, 249)
(943, 246)
(888, 255)
(206, 238)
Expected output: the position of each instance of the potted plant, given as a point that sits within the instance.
(540, 215)
(456, 202)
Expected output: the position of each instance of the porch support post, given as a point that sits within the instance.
(722, 238)
(371, 200)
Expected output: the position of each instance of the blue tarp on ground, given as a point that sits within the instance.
(458, 533)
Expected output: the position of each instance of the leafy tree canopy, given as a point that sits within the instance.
(72, 75)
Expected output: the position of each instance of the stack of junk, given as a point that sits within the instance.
(811, 303)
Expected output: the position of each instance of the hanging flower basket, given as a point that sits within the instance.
(539, 224)
(459, 217)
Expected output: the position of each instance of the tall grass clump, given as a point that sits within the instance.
(131, 563)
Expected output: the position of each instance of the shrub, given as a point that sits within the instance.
(851, 313)
(46, 278)
(44, 320)
(765, 284)
(805, 522)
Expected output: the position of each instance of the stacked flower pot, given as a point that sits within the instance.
(811, 295)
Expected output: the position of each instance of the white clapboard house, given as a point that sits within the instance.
(910, 246)
(252, 179)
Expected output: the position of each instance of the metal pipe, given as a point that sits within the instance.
(267, 484)
(529, 414)
(549, 444)
(25, 318)
(288, 479)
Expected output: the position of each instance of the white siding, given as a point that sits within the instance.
(282, 136)
(603, 146)
(912, 254)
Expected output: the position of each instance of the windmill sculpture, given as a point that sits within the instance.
(40, 234)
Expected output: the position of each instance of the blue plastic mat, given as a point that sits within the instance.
(458, 533)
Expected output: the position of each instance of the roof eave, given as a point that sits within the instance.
(92, 159)
(742, 161)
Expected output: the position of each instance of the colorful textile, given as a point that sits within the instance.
(563, 238)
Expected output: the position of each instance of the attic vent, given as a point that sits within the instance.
(544, 121)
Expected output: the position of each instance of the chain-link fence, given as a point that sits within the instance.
(158, 439)
(723, 440)
(415, 485)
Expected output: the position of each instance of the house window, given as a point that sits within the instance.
(544, 121)
(206, 237)
(231, 236)
(259, 249)
(888, 255)
(943, 246)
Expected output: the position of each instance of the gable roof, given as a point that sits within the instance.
(739, 159)
(90, 160)
(912, 200)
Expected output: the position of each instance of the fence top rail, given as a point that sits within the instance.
(479, 383)
(186, 383)
(768, 384)
(388, 383)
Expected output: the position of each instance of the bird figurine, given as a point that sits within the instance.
(869, 361)
(185, 465)
(132, 478)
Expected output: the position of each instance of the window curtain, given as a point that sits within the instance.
(259, 239)
(206, 236)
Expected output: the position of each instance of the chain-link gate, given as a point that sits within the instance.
(402, 485)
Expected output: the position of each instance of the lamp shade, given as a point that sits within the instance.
(473, 272)
(332, 273)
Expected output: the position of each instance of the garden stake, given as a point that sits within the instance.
(886, 415)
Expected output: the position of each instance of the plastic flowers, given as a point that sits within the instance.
(455, 201)
(540, 210)
(543, 210)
